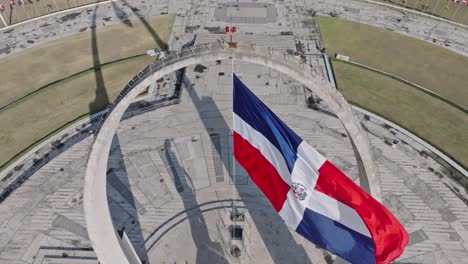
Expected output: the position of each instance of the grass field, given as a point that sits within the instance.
(433, 67)
(440, 124)
(61, 58)
(55, 105)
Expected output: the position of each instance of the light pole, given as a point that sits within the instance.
(2, 9)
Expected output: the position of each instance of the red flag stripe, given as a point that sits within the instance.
(261, 171)
(390, 238)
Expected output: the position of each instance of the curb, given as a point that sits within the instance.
(439, 153)
(48, 139)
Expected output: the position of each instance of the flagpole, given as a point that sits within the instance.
(233, 213)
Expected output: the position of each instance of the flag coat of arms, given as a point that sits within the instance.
(312, 196)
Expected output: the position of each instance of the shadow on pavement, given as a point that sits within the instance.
(125, 219)
(290, 251)
(121, 15)
(161, 44)
(207, 250)
(101, 99)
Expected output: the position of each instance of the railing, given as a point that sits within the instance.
(98, 220)
(169, 58)
(19, 171)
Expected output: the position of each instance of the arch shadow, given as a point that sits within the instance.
(102, 233)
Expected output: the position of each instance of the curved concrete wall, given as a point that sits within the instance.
(102, 233)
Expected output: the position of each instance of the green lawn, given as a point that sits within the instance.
(50, 108)
(433, 67)
(440, 124)
(61, 58)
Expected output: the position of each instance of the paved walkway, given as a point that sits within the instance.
(175, 158)
(199, 17)
(182, 151)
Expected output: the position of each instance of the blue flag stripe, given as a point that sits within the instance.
(254, 112)
(337, 238)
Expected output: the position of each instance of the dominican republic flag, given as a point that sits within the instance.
(311, 195)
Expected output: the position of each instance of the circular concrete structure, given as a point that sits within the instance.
(42, 214)
(108, 246)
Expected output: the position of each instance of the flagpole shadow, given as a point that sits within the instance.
(101, 101)
(120, 181)
(161, 44)
(11, 14)
(291, 251)
(207, 250)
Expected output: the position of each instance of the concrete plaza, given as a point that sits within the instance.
(171, 174)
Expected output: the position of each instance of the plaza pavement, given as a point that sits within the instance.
(169, 169)
(173, 159)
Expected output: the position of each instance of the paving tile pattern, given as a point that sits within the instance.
(170, 165)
